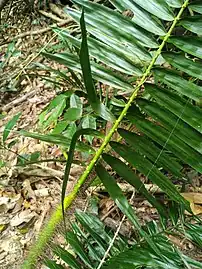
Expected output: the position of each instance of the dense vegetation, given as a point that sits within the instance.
(140, 73)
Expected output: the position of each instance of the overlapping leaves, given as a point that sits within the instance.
(167, 117)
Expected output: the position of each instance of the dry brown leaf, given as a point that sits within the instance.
(27, 191)
(195, 199)
(23, 218)
(105, 205)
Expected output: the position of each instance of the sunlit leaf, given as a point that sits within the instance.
(189, 44)
(189, 66)
(141, 17)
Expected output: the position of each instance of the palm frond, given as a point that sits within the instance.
(163, 108)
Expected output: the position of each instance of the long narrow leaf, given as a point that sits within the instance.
(121, 201)
(192, 23)
(196, 6)
(189, 44)
(66, 257)
(75, 137)
(114, 19)
(157, 8)
(99, 72)
(9, 126)
(169, 141)
(127, 174)
(179, 61)
(176, 82)
(146, 167)
(141, 17)
(58, 140)
(99, 108)
(113, 57)
(173, 124)
(147, 148)
(78, 248)
(179, 106)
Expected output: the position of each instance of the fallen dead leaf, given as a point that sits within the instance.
(27, 191)
(42, 192)
(195, 200)
(23, 218)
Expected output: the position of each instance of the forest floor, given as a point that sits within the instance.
(29, 194)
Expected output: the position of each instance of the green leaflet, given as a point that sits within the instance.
(149, 170)
(196, 6)
(179, 61)
(111, 36)
(194, 232)
(78, 248)
(117, 21)
(144, 257)
(169, 141)
(147, 148)
(175, 3)
(99, 239)
(189, 44)
(121, 201)
(95, 228)
(72, 147)
(141, 17)
(95, 103)
(172, 124)
(8, 127)
(179, 106)
(127, 174)
(176, 82)
(66, 257)
(113, 57)
(192, 23)
(99, 72)
(58, 140)
(157, 8)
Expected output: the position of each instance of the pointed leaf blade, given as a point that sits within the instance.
(179, 61)
(8, 127)
(121, 201)
(127, 174)
(100, 108)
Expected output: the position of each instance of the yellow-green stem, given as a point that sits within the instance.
(48, 231)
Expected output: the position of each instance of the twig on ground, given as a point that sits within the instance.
(17, 101)
(37, 32)
(58, 11)
(51, 16)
